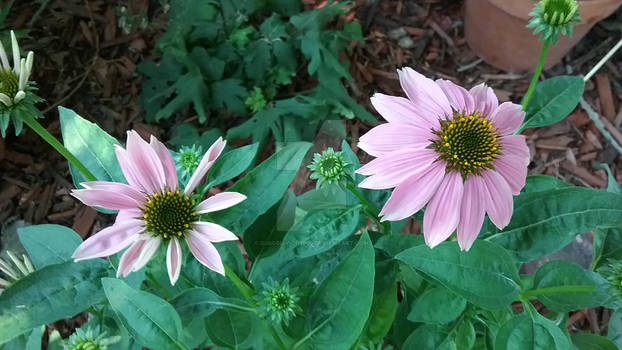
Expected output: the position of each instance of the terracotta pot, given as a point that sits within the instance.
(495, 30)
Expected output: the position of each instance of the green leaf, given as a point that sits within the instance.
(229, 93)
(397, 243)
(587, 341)
(612, 185)
(490, 269)
(91, 145)
(231, 164)
(614, 332)
(50, 294)
(231, 329)
(539, 183)
(263, 186)
(150, 320)
(381, 315)
(607, 245)
(189, 87)
(339, 307)
(319, 231)
(552, 100)
(49, 244)
(526, 333)
(544, 222)
(436, 305)
(429, 337)
(465, 336)
(196, 303)
(591, 288)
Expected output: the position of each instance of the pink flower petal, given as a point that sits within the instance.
(214, 232)
(412, 194)
(498, 202)
(109, 241)
(149, 248)
(205, 252)
(128, 214)
(472, 211)
(111, 195)
(205, 164)
(443, 212)
(147, 164)
(459, 98)
(173, 260)
(399, 110)
(132, 176)
(507, 117)
(168, 164)
(485, 99)
(425, 94)
(128, 259)
(515, 145)
(220, 201)
(392, 169)
(386, 138)
(513, 170)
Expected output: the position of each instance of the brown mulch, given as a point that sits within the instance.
(83, 61)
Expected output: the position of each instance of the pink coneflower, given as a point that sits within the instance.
(153, 210)
(451, 149)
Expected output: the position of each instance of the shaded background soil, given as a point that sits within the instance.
(83, 61)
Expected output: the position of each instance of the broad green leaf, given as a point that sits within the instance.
(591, 288)
(614, 332)
(229, 93)
(50, 294)
(485, 275)
(150, 320)
(381, 315)
(587, 341)
(436, 306)
(264, 236)
(465, 335)
(539, 183)
(49, 244)
(232, 329)
(429, 337)
(607, 245)
(526, 333)
(612, 185)
(544, 222)
(338, 309)
(91, 145)
(201, 302)
(319, 231)
(397, 243)
(553, 100)
(231, 164)
(263, 187)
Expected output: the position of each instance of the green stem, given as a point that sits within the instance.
(248, 292)
(536, 73)
(557, 289)
(370, 208)
(49, 138)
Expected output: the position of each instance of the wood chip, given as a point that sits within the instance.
(593, 139)
(438, 30)
(584, 174)
(84, 221)
(603, 85)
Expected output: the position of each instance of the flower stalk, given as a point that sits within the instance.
(536, 73)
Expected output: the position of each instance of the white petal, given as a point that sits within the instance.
(16, 55)
(173, 260)
(5, 59)
(220, 201)
(6, 100)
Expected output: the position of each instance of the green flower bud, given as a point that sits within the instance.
(554, 17)
(278, 302)
(89, 339)
(12, 273)
(613, 273)
(329, 168)
(187, 160)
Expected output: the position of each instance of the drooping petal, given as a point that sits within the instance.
(113, 196)
(459, 98)
(513, 170)
(472, 211)
(16, 54)
(151, 246)
(515, 145)
(507, 117)
(173, 260)
(109, 241)
(214, 232)
(412, 194)
(485, 99)
(498, 202)
(132, 176)
(386, 138)
(126, 190)
(399, 110)
(147, 164)
(168, 164)
(206, 163)
(425, 94)
(392, 169)
(128, 259)
(443, 212)
(205, 252)
(220, 201)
